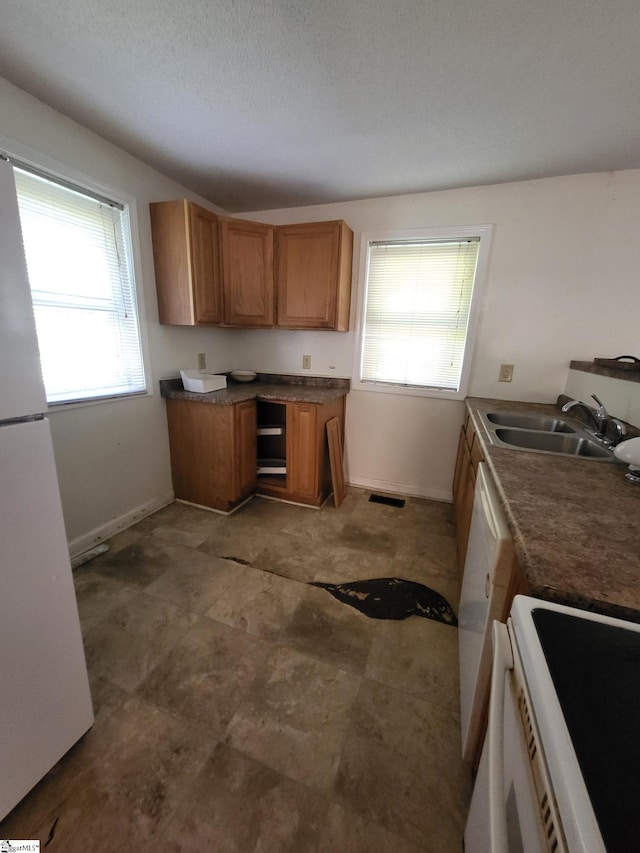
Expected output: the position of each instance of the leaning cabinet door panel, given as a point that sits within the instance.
(302, 451)
(247, 272)
(314, 275)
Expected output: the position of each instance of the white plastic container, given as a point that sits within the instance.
(202, 383)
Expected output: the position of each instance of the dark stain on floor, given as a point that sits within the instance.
(392, 598)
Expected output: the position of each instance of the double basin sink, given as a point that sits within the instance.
(544, 434)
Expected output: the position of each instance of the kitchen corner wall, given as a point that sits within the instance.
(561, 285)
(112, 458)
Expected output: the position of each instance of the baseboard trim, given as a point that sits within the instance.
(89, 540)
(400, 489)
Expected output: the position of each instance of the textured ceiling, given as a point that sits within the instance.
(276, 103)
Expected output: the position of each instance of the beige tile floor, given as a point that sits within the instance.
(240, 709)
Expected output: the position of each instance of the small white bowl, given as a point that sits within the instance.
(243, 375)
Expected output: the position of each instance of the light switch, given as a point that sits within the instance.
(306, 362)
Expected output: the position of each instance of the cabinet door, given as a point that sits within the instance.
(246, 460)
(302, 448)
(314, 275)
(203, 232)
(201, 440)
(185, 254)
(247, 272)
(458, 469)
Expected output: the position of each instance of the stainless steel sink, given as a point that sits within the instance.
(530, 431)
(553, 442)
(535, 422)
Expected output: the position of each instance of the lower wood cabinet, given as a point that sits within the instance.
(464, 485)
(308, 471)
(213, 452)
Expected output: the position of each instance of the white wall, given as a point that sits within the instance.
(112, 458)
(561, 285)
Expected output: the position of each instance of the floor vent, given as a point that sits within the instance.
(383, 499)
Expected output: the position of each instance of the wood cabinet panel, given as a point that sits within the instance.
(203, 226)
(302, 455)
(246, 447)
(185, 253)
(458, 469)
(246, 250)
(212, 452)
(313, 275)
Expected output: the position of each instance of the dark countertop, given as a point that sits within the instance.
(290, 389)
(575, 522)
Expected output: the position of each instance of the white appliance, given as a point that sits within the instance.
(46, 705)
(487, 573)
(560, 768)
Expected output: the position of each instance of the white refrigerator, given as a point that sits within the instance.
(45, 704)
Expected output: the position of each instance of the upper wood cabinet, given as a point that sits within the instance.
(246, 250)
(185, 252)
(313, 275)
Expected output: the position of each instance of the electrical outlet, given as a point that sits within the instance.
(306, 362)
(506, 373)
(202, 360)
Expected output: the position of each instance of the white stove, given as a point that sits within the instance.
(560, 768)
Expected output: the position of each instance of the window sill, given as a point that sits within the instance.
(407, 390)
(53, 408)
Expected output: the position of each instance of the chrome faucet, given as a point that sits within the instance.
(600, 419)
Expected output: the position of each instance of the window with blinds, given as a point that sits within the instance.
(76, 246)
(417, 311)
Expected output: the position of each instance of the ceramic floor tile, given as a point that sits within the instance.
(106, 697)
(206, 675)
(141, 778)
(237, 805)
(117, 787)
(347, 832)
(361, 536)
(97, 596)
(320, 525)
(418, 656)
(127, 537)
(258, 602)
(329, 630)
(128, 643)
(196, 583)
(343, 565)
(241, 542)
(294, 717)
(270, 515)
(301, 558)
(140, 563)
(401, 768)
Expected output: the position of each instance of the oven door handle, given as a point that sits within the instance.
(502, 663)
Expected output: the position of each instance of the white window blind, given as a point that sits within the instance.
(416, 316)
(76, 246)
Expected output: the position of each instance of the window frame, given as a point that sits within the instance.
(22, 157)
(484, 233)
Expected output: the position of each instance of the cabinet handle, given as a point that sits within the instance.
(487, 585)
